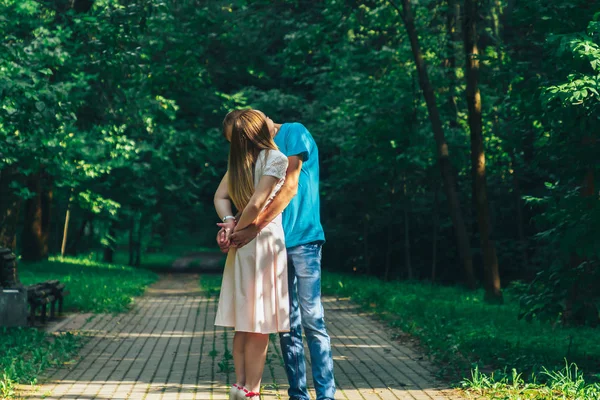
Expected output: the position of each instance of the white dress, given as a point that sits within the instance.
(254, 292)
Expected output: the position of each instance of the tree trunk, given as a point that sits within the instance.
(390, 233)
(36, 230)
(389, 250)
(575, 292)
(436, 224)
(73, 247)
(407, 262)
(32, 242)
(138, 244)
(135, 240)
(10, 205)
(519, 204)
(46, 204)
(490, 260)
(442, 149)
(131, 241)
(452, 37)
(63, 246)
(109, 249)
(366, 244)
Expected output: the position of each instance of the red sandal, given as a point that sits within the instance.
(249, 394)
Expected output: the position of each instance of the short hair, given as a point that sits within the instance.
(229, 120)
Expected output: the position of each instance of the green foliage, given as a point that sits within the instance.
(211, 284)
(26, 352)
(566, 288)
(119, 107)
(225, 362)
(462, 331)
(94, 286)
(568, 384)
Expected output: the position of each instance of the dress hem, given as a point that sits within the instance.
(246, 331)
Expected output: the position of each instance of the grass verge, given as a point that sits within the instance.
(566, 384)
(95, 287)
(458, 328)
(25, 353)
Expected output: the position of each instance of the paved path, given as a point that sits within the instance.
(168, 348)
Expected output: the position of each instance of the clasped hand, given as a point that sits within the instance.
(228, 236)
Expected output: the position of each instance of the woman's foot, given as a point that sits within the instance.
(235, 393)
(247, 394)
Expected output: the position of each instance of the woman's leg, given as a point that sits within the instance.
(239, 343)
(255, 354)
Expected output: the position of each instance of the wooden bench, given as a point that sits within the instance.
(44, 293)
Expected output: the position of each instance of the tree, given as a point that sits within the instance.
(490, 259)
(443, 153)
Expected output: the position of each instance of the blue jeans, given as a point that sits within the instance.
(306, 311)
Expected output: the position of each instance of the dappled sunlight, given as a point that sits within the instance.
(169, 346)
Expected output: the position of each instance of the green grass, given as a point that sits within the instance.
(462, 332)
(211, 284)
(25, 353)
(568, 384)
(94, 286)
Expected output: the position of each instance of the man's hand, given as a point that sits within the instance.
(244, 236)
(224, 235)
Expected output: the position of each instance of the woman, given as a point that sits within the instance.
(254, 293)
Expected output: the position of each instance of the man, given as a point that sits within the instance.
(304, 236)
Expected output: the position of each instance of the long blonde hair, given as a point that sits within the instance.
(249, 135)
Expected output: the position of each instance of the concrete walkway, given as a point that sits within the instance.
(168, 348)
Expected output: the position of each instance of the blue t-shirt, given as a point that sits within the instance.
(302, 217)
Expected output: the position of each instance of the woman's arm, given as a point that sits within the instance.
(222, 200)
(223, 207)
(263, 190)
(285, 195)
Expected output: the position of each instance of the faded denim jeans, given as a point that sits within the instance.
(306, 312)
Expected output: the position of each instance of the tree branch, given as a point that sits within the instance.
(397, 8)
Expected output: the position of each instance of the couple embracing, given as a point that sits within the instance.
(272, 278)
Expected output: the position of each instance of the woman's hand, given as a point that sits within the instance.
(224, 235)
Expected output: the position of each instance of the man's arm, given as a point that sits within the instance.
(285, 195)
(279, 203)
(265, 186)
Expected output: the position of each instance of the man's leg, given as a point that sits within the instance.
(307, 264)
(292, 348)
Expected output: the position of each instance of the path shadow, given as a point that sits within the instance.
(199, 262)
(168, 345)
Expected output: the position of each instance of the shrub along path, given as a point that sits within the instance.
(167, 347)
